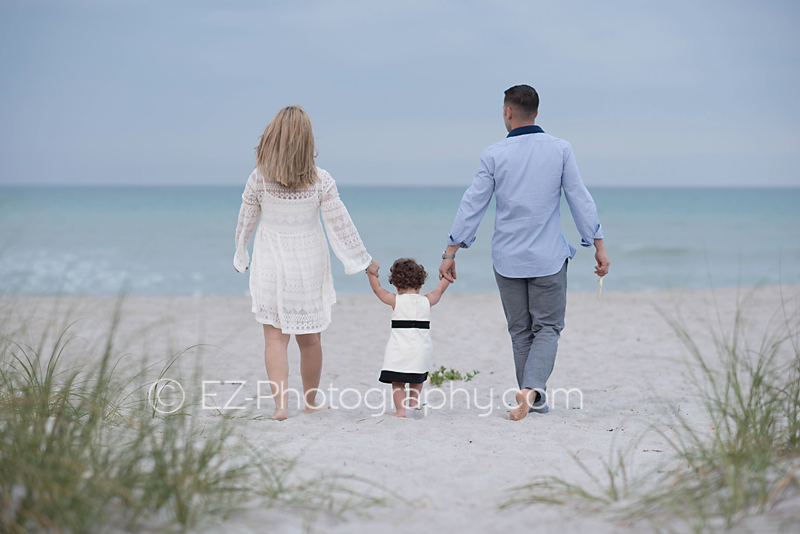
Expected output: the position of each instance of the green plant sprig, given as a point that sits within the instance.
(439, 376)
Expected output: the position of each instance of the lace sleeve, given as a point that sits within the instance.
(248, 220)
(342, 233)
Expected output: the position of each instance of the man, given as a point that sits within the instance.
(527, 171)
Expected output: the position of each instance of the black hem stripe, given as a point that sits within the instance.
(387, 377)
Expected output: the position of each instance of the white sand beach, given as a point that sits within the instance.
(453, 464)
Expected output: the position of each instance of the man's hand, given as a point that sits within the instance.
(603, 263)
(447, 270)
(373, 267)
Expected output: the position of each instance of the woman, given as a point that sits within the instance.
(290, 275)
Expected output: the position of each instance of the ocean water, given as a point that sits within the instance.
(180, 240)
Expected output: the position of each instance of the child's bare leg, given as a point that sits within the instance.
(310, 368)
(399, 398)
(414, 391)
(275, 344)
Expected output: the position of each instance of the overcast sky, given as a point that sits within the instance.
(404, 92)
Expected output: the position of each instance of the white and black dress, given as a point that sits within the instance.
(408, 353)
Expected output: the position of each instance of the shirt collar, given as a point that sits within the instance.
(522, 130)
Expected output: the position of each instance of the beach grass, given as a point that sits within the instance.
(744, 461)
(85, 449)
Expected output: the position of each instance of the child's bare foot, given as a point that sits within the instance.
(318, 407)
(279, 415)
(524, 404)
(399, 414)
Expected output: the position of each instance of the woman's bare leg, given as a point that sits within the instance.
(399, 398)
(277, 362)
(310, 368)
(414, 391)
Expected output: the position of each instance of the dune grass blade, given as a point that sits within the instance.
(83, 450)
(748, 462)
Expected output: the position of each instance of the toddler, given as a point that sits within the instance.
(408, 353)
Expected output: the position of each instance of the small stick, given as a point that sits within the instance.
(599, 287)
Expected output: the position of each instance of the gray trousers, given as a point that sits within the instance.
(535, 309)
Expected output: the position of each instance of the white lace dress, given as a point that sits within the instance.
(290, 276)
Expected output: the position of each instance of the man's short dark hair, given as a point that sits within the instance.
(523, 98)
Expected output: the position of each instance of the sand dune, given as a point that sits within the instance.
(453, 462)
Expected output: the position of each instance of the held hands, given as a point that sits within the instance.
(447, 270)
(372, 269)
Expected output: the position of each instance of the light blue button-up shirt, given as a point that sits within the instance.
(527, 171)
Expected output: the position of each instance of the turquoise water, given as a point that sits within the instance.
(179, 240)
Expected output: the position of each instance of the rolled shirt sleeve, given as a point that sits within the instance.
(581, 204)
(473, 205)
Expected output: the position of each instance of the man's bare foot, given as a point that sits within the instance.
(523, 404)
(318, 407)
(279, 415)
(398, 414)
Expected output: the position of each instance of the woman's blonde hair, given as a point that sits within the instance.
(285, 153)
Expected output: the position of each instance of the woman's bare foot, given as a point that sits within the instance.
(279, 415)
(523, 404)
(318, 407)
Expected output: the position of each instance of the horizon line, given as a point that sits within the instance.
(395, 185)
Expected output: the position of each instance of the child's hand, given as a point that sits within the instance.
(373, 268)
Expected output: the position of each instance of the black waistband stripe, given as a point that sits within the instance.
(426, 325)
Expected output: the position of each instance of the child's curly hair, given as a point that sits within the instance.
(407, 274)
